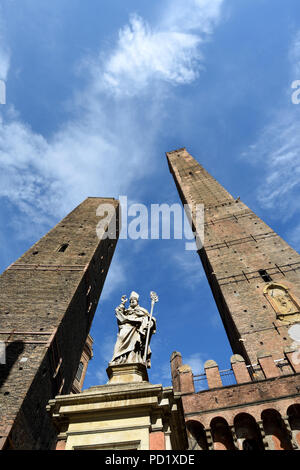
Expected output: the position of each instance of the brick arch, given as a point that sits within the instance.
(276, 432)
(196, 435)
(293, 415)
(221, 434)
(247, 432)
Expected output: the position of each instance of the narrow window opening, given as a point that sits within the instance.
(79, 371)
(264, 275)
(63, 247)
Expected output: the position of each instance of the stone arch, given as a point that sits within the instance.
(277, 435)
(221, 434)
(247, 432)
(293, 415)
(196, 435)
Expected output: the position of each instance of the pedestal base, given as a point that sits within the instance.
(127, 373)
(120, 416)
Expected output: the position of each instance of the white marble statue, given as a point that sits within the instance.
(136, 326)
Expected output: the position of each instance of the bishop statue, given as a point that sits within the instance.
(136, 327)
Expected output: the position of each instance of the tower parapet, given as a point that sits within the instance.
(261, 413)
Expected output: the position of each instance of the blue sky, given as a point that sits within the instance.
(97, 92)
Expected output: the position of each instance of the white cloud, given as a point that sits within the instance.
(4, 54)
(163, 372)
(143, 55)
(169, 51)
(277, 152)
(188, 266)
(85, 158)
(293, 237)
(4, 64)
(200, 16)
(294, 56)
(91, 154)
(115, 276)
(101, 377)
(105, 350)
(196, 361)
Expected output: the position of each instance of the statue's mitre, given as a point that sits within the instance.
(134, 295)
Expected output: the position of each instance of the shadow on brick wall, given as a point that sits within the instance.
(13, 351)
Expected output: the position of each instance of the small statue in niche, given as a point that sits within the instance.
(284, 304)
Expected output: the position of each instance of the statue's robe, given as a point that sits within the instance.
(133, 325)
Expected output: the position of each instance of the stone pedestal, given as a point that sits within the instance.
(126, 413)
(127, 373)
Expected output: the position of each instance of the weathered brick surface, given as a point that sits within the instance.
(175, 363)
(268, 366)
(240, 370)
(86, 356)
(237, 245)
(227, 402)
(212, 374)
(47, 303)
(157, 441)
(266, 412)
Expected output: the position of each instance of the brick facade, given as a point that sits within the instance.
(265, 412)
(47, 303)
(86, 356)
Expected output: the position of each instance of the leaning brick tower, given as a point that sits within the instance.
(253, 273)
(47, 303)
(254, 277)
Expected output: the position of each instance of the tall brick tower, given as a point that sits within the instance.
(253, 273)
(47, 304)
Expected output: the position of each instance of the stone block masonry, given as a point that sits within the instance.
(47, 303)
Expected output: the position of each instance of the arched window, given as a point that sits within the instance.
(63, 247)
(276, 432)
(196, 436)
(221, 434)
(293, 414)
(247, 432)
